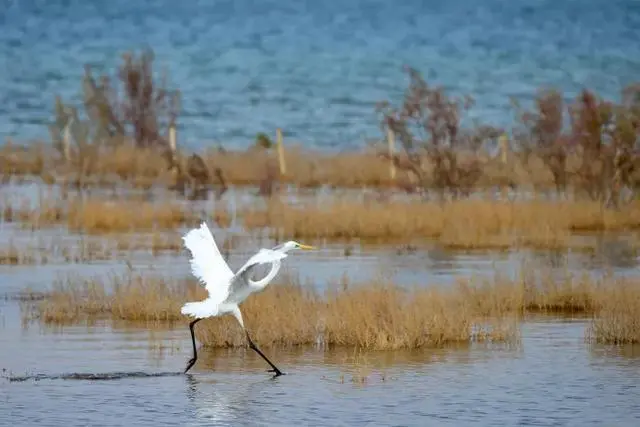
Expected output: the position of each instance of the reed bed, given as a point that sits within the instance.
(617, 315)
(100, 215)
(378, 315)
(534, 292)
(122, 163)
(12, 255)
(144, 167)
(304, 168)
(371, 316)
(141, 167)
(472, 224)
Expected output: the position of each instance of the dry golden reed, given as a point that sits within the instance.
(128, 297)
(617, 315)
(371, 316)
(466, 224)
(461, 224)
(377, 315)
(14, 256)
(142, 167)
(305, 168)
(96, 215)
(22, 159)
(534, 292)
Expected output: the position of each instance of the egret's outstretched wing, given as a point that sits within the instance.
(207, 263)
(264, 256)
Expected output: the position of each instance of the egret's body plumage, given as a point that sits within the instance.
(227, 289)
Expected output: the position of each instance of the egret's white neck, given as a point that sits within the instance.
(275, 268)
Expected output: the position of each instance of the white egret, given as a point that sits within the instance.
(226, 289)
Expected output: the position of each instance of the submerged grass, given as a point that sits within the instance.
(377, 315)
(463, 224)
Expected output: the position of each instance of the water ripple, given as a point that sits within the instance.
(91, 377)
(319, 65)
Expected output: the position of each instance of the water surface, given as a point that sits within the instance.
(551, 378)
(316, 69)
(118, 374)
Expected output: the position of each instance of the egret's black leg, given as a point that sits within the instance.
(257, 350)
(192, 361)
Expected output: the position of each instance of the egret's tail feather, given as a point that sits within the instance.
(198, 309)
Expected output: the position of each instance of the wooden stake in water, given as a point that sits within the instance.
(66, 140)
(173, 144)
(280, 147)
(391, 140)
(503, 141)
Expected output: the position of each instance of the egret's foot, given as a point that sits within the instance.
(190, 363)
(276, 371)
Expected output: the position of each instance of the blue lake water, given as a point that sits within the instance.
(315, 69)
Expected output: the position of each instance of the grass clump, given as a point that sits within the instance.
(372, 316)
(387, 316)
(129, 297)
(14, 256)
(96, 215)
(461, 224)
(617, 315)
(534, 292)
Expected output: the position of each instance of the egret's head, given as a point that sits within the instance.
(291, 245)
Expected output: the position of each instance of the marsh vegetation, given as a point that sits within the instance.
(113, 171)
(377, 315)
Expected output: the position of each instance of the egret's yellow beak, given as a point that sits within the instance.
(306, 247)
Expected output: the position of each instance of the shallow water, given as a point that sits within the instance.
(413, 262)
(424, 264)
(314, 68)
(121, 375)
(550, 378)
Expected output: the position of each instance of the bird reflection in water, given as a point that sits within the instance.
(232, 401)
